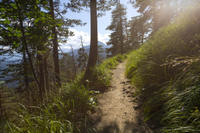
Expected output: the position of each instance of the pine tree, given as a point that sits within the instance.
(27, 28)
(60, 28)
(67, 67)
(138, 30)
(94, 39)
(101, 6)
(118, 28)
(157, 13)
(73, 61)
(19, 21)
(55, 46)
(82, 56)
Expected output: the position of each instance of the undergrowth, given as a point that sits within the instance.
(165, 71)
(67, 110)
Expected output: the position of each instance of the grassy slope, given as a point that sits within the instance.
(166, 72)
(67, 111)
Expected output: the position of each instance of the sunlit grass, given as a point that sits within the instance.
(165, 71)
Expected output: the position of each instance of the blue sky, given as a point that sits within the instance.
(103, 22)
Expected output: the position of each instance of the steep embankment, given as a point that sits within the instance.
(165, 70)
(116, 111)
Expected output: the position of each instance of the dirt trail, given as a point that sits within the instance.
(117, 109)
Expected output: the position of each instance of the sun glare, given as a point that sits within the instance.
(181, 4)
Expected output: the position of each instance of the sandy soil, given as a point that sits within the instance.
(117, 110)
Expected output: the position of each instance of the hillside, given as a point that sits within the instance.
(165, 71)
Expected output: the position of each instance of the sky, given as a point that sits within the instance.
(103, 22)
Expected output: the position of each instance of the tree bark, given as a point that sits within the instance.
(55, 47)
(43, 76)
(94, 38)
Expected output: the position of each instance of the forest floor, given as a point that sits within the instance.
(117, 110)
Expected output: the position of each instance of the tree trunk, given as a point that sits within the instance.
(142, 37)
(24, 42)
(121, 33)
(93, 46)
(1, 108)
(83, 52)
(74, 62)
(46, 73)
(41, 77)
(25, 73)
(55, 47)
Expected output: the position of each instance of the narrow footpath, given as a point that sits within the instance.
(117, 110)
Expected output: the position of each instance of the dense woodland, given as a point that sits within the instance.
(44, 90)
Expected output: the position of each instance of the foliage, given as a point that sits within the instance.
(65, 112)
(26, 33)
(30, 29)
(101, 54)
(67, 68)
(166, 72)
(102, 73)
(182, 107)
(94, 5)
(138, 30)
(117, 26)
(7, 105)
(159, 13)
(67, 109)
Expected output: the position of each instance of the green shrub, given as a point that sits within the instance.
(67, 112)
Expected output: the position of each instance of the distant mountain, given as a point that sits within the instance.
(5, 61)
(87, 49)
(103, 45)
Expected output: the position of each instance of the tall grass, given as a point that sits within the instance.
(68, 110)
(166, 72)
